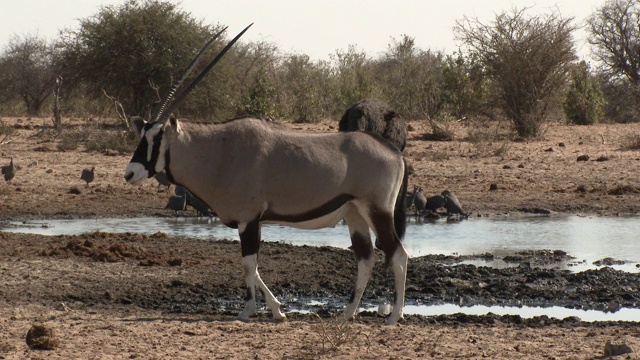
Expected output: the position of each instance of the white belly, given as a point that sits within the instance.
(328, 220)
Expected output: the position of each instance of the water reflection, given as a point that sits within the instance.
(525, 312)
(586, 238)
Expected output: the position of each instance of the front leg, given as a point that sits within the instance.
(250, 266)
(250, 243)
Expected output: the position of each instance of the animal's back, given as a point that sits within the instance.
(248, 164)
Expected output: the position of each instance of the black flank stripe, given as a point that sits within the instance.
(327, 208)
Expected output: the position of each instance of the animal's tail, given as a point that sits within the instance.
(400, 215)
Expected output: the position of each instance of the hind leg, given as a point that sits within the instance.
(365, 256)
(396, 256)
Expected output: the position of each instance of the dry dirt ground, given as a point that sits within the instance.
(117, 296)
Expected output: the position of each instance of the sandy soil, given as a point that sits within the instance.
(108, 296)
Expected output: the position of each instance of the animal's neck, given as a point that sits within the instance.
(192, 155)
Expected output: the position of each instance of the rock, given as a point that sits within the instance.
(561, 144)
(602, 158)
(42, 338)
(584, 157)
(507, 167)
(493, 187)
(616, 347)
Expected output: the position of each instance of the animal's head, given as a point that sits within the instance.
(151, 155)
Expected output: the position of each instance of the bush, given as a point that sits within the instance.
(123, 142)
(527, 59)
(584, 101)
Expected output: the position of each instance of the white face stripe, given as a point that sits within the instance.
(160, 162)
(150, 135)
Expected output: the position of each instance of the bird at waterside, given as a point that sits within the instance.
(163, 180)
(176, 203)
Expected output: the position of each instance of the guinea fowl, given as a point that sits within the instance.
(9, 171)
(88, 175)
(176, 203)
(163, 180)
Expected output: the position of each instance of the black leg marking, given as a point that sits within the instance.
(361, 246)
(250, 238)
(386, 238)
(249, 295)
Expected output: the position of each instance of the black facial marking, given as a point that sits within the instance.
(155, 154)
(167, 160)
(140, 155)
(327, 208)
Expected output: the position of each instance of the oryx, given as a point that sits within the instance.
(250, 171)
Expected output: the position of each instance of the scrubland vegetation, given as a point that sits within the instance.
(518, 67)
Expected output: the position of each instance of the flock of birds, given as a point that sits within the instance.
(183, 199)
(429, 207)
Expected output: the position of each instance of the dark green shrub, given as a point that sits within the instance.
(584, 101)
(260, 101)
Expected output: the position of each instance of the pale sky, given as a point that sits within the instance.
(316, 28)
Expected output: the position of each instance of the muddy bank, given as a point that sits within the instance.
(185, 275)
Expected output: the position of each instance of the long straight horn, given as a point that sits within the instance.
(169, 98)
(180, 97)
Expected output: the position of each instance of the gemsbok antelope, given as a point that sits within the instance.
(250, 171)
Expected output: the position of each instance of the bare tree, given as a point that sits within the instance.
(615, 38)
(614, 35)
(527, 59)
(28, 71)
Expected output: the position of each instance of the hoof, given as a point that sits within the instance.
(279, 316)
(394, 319)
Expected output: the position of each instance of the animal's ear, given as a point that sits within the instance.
(137, 123)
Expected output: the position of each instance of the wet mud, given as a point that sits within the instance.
(192, 276)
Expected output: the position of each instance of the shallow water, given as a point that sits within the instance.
(586, 238)
(525, 312)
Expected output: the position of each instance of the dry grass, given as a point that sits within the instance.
(336, 332)
(632, 142)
